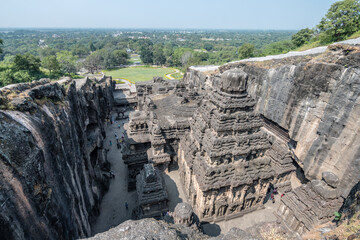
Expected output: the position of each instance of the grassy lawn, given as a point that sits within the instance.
(138, 74)
(177, 75)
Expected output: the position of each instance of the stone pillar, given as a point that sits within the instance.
(183, 214)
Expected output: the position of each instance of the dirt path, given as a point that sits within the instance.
(169, 75)
(112, 210)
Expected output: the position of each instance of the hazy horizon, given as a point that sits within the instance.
(163, 15)
(141, 28)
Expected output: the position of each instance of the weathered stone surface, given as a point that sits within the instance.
(151, 229)
(331, 179)
(271, 230)
(235, 234)
(183, 214)
(259, 117)
(147, 229)
(52, 158)
(227, 162)
(316, 99)
(200, 76)
(234, 81)
(151, 191)
(155, 128)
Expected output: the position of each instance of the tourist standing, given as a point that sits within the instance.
(272, 197)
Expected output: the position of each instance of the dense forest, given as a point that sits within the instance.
(28, 54)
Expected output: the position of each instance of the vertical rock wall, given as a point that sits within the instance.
(316, 98)
(52, 157)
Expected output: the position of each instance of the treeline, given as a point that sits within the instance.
(65, 52)
(29, 54)
(340, 22)
(27, 67)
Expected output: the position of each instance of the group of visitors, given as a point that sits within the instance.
(274, 191)
(120, 141)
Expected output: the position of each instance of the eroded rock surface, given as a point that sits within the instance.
(227, 163)
(260, 120)
(53, 164)
(315, 100)
(155, 128)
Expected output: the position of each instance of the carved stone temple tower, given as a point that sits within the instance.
(227, 161)
(151, 191)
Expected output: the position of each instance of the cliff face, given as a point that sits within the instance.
(201, 76)
(52, 157)
(315, 99)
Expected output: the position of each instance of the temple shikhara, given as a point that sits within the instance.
(227, 161)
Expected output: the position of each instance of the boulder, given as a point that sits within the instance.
(331, 179)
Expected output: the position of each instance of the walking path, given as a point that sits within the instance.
(112, 210)
(174, 189)
(169, 76)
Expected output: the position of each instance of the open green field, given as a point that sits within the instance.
(139, 74)
(177, 75)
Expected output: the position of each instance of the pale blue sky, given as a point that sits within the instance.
(209, 14)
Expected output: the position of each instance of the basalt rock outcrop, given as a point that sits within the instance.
(53, 167)
(183, 228)
(290, 122)
(312, 101)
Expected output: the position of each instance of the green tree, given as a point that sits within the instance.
(200, 57)
(8, 59)
(120, 57)
(46, 51)
(168, 52)
(180, 58)
(80, 50)
(302, 36)
(6, 77)
(341, 20)
(22, 76)
(1, 43)
(92, 47)
(51, 63)
(93, 62)
(186, 58)
(158, 55)
(109, 59)
(246, 50)
(67, 61)
(208, 46)
(146, 54)
(27, 62)
(278, 47)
